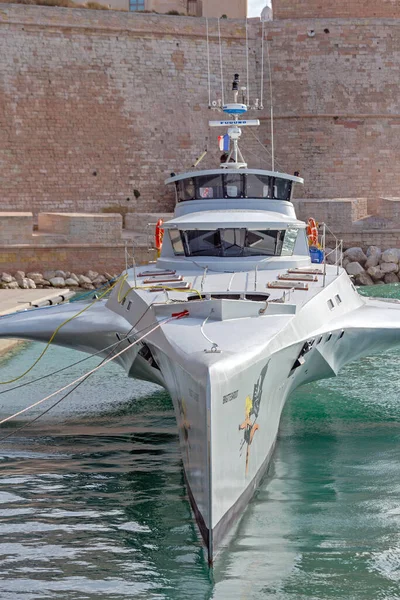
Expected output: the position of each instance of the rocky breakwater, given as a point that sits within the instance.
(371, 267)
(54, 279)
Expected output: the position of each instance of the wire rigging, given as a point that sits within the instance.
(247, 64)
(220, 62)
(208, 65)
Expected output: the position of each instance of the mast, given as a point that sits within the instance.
(235, 110)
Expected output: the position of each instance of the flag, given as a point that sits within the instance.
(223, 142)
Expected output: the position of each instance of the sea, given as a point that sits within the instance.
(93, 502)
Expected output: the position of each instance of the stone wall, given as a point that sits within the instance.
(97, 107)
(328, 9)
(78, 258)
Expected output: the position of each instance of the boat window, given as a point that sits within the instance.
(282, 189)
(258, 186)
(209, 186)
(234, 242)
(202, 243)
(234, 185)
(289, 241)
(185, 189)
(176, 241)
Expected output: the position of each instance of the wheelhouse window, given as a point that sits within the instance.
(234, 242)
(233, 185)
(258, 186)
(209, 186)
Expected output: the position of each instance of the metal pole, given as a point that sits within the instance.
(324, 247)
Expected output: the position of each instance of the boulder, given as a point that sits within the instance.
(67, 274)
(354, 268)
(363, 279)
(390, 256)
(333, 257)
(356, 255)
(49, 275)
(92, 275)
(373, 257)
(31, 283)
(100, 280)
(73, 276)
(375, 273)
(345, 262)
(107, 276)
(23, 283)
(13, 285)
(19, 275)
(61, 274)
(3, 285)
(389, 267)
(83, 279)
(6, 277)
(36, 277)
(71, 282)
(87, 286)
(391, 278)
(57, 282)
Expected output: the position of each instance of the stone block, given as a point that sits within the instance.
(82, 227)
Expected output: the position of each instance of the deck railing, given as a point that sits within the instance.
(337, 250)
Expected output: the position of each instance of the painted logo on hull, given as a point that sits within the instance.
(251, 411)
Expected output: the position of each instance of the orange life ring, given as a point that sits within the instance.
(158, 235)
(312, 232)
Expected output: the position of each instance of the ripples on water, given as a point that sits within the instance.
(93, 504)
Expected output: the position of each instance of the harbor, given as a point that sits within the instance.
(199, 300)
(84, 491)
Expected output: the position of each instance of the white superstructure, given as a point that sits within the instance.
(245, 318)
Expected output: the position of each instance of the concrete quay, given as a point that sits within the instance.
(18, 300)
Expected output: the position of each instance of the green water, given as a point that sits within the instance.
(93, 503)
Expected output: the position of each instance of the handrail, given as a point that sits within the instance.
(338, 247)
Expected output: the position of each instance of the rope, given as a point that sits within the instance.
(208, 65)
(78, 362)
(78, 384)
(220, 62)
(84, 376)
(54, 335)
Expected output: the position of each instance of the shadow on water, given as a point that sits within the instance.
(93, 502)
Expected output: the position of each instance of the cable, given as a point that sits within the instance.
(82, 377)
(55, 333)
(220, 62)
(21, 385)
(208, 65)
(78, 384)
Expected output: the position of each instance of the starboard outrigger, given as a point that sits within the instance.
(244, 318)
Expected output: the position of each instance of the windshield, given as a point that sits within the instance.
(233, 185)
(234, 242)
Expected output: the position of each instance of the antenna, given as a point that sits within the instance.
(208, 65)
(272, 111)
(220, 61)
(234, 110)
(247, 63)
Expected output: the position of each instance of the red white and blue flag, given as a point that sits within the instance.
(223, 141)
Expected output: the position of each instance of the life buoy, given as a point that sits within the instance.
(158, 235)
(312, 232)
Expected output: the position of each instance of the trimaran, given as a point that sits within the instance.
(232, 317)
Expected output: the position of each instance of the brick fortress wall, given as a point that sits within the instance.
(94, 105)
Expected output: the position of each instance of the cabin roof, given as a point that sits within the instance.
(233, 218)
(233, 172)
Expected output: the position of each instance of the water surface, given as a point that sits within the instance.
(93, 503)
